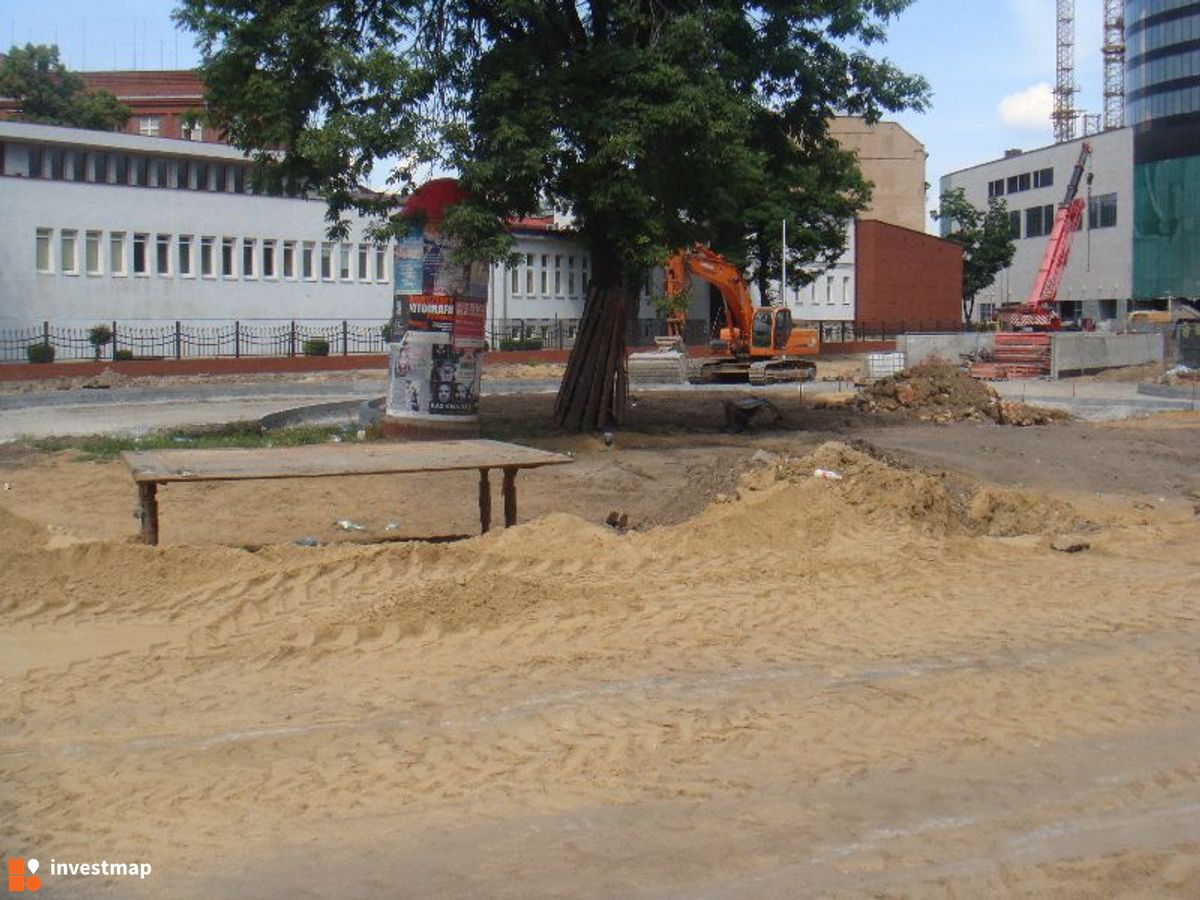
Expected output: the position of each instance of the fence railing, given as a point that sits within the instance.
(345, 337)
(186, 340)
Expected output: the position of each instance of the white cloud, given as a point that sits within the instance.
(1029, 108)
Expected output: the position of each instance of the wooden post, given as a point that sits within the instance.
(148, 511)
(510, 496)
(485, 502)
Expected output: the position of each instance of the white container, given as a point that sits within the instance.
(881, 365)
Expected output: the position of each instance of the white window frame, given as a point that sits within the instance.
(187, 258)
(68, 258)
(326, 265)
(345, 263)
(381, 263)
(287, 263)
(162, 251)
(43, 259)
(118, 264)
(208, 243)
(268, 257)
(149, 126)
(309, 265)
(229, 261)
(249, 254)
(364, 263)
(143, 238)
(93, 239)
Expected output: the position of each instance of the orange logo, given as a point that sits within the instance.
(18, 881)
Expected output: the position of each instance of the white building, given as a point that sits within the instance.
(100, 226)
(1097, 282)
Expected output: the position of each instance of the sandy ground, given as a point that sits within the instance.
(774, 686)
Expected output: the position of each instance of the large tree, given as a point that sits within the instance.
(44, 91)
(985, 237)
(656, 123)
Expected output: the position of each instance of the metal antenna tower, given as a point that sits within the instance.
(1114, 64)
(1065, 88)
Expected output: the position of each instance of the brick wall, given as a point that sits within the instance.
(906, 276)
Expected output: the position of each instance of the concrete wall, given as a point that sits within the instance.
(919, 348)
(1073, 354)
(907, 276)
(1099, 275)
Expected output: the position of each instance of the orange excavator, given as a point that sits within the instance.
(758, 344)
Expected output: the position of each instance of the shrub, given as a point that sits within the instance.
(99, 336)
(315, 347)
(521, 344)
(122, 355)
(40, 353)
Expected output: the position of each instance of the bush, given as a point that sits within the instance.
(99, 336)
(315, 347)
(40, 353)
(122, 355)
(521, 344)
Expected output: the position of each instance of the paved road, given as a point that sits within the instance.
(143, 409)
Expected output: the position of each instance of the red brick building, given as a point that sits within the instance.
(906, 279)
(163, 103)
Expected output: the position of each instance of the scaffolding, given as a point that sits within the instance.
(1114, 64)
(1065, 88)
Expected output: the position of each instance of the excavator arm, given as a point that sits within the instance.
(716, 270)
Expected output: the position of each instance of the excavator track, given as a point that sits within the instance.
(776, 371)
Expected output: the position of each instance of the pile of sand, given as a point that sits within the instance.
(940, 392)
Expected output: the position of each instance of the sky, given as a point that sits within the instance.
(990, 63)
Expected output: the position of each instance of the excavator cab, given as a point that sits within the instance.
(771, 330)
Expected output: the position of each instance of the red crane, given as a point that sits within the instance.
(1037, 311)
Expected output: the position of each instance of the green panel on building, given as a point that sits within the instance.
(1166, 228)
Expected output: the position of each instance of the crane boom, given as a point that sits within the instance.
(1062, 234)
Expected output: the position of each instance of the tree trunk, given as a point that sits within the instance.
(969, 308)
(595, 388)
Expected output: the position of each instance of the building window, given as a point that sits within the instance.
(183, 175)
(68, 262)
(1102, 213)
(829, 290)
(141, 171)
(583, 276)
(162, 258)
(364, 268)
(206, 256)
(185, 254)
(116, 253)
(162, 170)
(220, 177)
(845, 290)
(571, 276)
(306, 260)
(248, 245)
(289, 259)
(192, 130)
(1014, 224)
(996, 188)
(91, 253)
(515, 275)
(140, 253)
(79, 162)
(201, 176)
(1043, 178)
(148, 126)
(326, 261)
(529, 274)
(100, 167)
(1039, 220)
(239, 179)
(344, 262)
(558, 283)
(227, 250)
(43, 249)
(121, 169)
(381, 263)
(55, 158)
(268, 259)
(36, 162)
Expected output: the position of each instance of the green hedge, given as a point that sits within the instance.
(40, 353)
(521, 344)
(315, 347)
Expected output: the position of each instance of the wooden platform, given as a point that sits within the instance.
(151, 468)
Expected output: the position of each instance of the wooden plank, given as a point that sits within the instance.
(148, 511)
(485, 502)
(329, 460)
(510, 496)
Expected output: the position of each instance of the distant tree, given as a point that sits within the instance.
(46, 93)
(656, 124)
(986, 239)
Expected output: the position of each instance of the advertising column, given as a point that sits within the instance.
(439, 310)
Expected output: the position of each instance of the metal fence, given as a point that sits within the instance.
(188, 340)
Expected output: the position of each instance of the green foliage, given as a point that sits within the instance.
(521, 344)
(233, 434)
(665, 305)
(46, 93)
(656, 125)
(40, 353)
(122, 355)
(99, 336)
(315, 347)
(986, 239)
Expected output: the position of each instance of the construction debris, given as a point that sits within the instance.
(941, 392)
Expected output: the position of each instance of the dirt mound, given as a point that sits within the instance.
(940, 392)
(884, 489)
